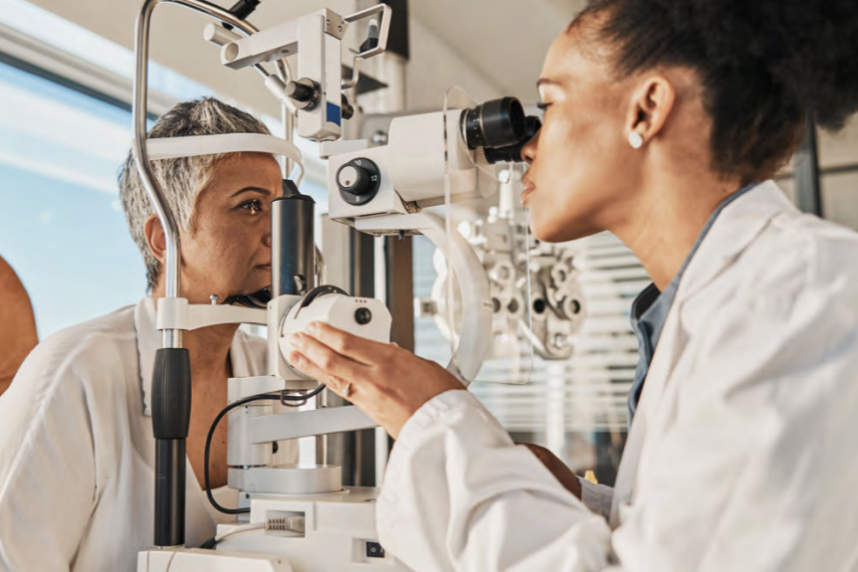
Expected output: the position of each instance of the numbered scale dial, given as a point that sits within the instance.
(359, 181)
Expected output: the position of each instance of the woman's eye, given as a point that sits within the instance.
(254, 206)
(543, 106)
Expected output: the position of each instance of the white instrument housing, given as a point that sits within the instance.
(365, 317)
(412, 168)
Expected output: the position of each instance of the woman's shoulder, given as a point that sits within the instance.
(91, 350)
(797, 263)
(819, 251)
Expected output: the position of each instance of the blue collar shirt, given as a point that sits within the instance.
(651, 307)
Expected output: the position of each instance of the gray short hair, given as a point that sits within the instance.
(180, 179)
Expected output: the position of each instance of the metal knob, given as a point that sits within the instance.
(358, 181)
(353, 180)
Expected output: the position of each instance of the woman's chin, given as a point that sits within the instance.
(555, 231)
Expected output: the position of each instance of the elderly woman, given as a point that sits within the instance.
(76, 445)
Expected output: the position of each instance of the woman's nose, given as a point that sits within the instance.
(266, 239)
(528, 152)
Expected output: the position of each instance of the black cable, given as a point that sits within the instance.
(227, 409)
(303, 396)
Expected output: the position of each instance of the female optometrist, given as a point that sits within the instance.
(665, 121)
(77, 454)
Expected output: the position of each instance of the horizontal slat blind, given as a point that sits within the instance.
(586, 393)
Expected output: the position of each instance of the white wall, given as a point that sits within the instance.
(435, 67)
(839, 192)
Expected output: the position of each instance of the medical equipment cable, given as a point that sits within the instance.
(212, 542)
(227, 409)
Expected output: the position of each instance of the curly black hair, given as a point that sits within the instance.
(766, 66)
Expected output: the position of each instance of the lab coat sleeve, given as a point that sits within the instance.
(597, 498)
(47, 463)
(728, 485)
(459, 495)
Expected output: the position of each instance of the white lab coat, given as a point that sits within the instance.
(742, 457)
(77, 451)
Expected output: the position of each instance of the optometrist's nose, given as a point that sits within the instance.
(528, 152)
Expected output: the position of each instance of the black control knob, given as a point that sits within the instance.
(358, 181)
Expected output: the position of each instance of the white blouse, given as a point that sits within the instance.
(77, 452)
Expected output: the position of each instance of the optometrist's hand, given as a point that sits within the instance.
(387, 382)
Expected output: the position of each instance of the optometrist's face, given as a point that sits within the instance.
(227, 250)
(581, 165)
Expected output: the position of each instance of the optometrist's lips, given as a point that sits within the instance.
(529, 189)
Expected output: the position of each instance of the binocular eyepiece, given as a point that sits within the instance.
(500, 128)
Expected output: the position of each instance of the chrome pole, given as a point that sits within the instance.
(139, 106)
(171, 380)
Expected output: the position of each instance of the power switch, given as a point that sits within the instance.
(374, 550)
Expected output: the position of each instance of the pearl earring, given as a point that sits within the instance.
(636, 140)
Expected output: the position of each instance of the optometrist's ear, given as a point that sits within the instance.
(650, 107)
(155, 238)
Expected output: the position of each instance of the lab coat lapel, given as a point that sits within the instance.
(669, 350)
(735, 228)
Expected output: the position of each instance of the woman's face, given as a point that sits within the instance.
(582, 168)
(227, 250)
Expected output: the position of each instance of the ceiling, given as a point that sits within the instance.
(505, 39)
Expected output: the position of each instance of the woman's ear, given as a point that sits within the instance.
(155, 238)
(651, 105)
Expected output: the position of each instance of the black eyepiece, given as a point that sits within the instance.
(496, 123)
(512, 153)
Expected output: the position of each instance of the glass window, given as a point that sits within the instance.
(574, 407)
(61, 223)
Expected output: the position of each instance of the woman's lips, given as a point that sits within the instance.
(529, 189)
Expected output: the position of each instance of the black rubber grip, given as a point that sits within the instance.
(171, 393)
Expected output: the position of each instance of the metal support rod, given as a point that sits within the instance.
(171, 405)
(399, 276)
(359, 450)
(139, 105)
(170, 459)
(293, 250)
(807, 182)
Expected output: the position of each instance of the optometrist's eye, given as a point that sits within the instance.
(253, 206)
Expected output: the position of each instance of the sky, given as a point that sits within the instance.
(61, 224)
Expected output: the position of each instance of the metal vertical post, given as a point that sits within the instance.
(358, 462)
(808, 189)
